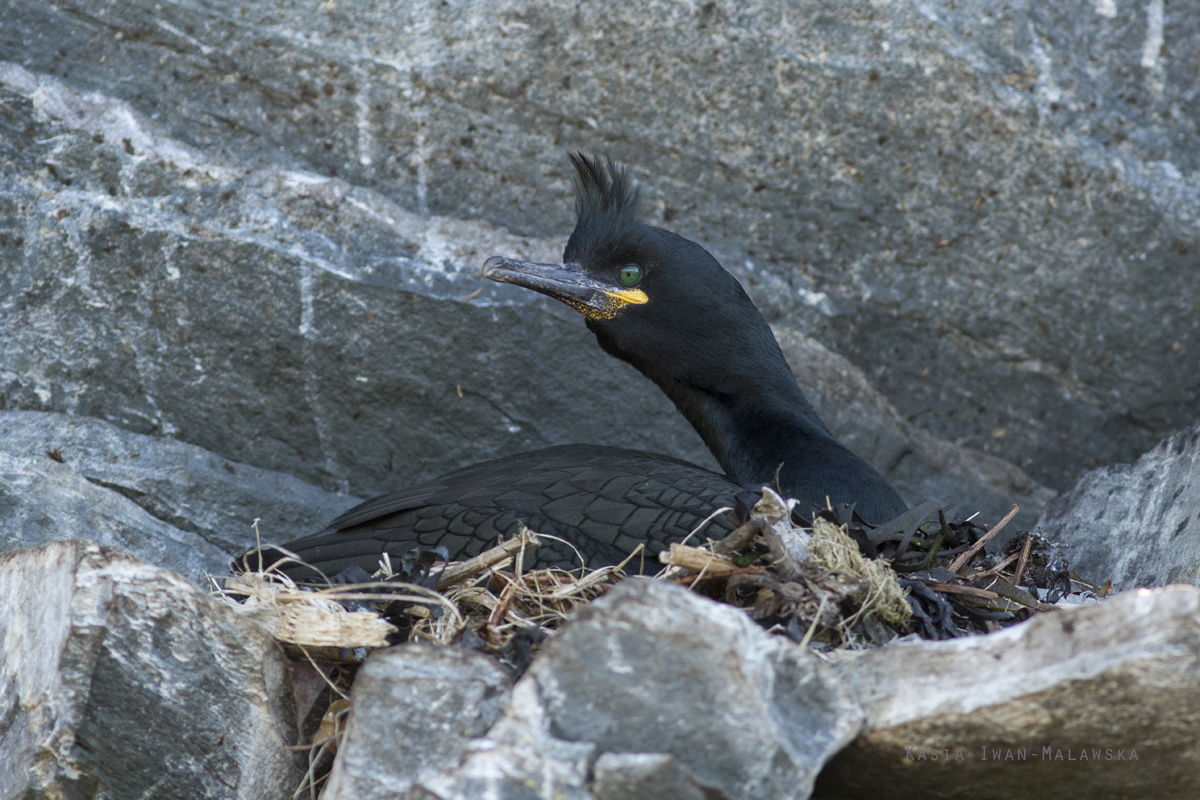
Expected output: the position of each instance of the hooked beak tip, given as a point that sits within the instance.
(491, 265)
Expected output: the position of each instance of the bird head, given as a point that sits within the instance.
(651, 297)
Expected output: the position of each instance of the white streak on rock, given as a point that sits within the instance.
(1154, 34)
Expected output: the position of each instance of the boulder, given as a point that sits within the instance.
(1135, 524)
(654, 685)
(123, 680)
(172, 504)
(1092, 701)
(415, 710)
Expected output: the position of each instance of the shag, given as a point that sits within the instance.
(665, 305)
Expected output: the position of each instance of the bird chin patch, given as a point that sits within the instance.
(611, 304)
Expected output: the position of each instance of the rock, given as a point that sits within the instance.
(415, 709)
(1135, 524)
(123, 680)
(520, 759)
(170, 503)
(992, 200)
(1110, 687)
(356, 277)
(654, 669)
(651, 691)
(647, 776)
(1022, 187)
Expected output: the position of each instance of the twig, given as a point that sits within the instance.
(506, 598)
(1023, 560)
(970, 591)
(987, 537)
(808, 635)
(470, 568)
(994, 569)
(739, 538)
(588, 581)
(695, 559)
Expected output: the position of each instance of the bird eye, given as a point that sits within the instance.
(630, 274)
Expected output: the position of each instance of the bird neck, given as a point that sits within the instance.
(752, 426)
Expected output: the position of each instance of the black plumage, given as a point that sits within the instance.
(604, 500)
(666, 306)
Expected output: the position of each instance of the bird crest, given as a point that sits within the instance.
(606, 204)
(602, 188)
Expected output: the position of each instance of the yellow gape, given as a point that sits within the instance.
(617, 301)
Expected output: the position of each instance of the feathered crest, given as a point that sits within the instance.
(606, 203)
(602, 188)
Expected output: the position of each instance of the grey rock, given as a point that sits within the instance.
(979, 207)
(518, 759)
(650, 668)
(122, 680)
(1135, 524)
(622, 703)
(170, 503)
(1094, 701)
(647, 776)
(415, 710)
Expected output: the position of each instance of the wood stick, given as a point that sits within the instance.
(952, 588)
(964, 557)
(468, 569)
(738, 539)
(994, 569)
(1023, 561)
(695, 559)
(501, 608)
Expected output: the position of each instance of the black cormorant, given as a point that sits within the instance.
(666, 306)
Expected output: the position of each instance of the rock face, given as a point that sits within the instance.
(299, 323)
(246, 231)
(172, 504)
(122, 680)
(1088, 702)
(1135, 524)
(979, 208)
(274, 318)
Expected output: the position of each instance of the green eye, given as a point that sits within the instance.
(630, 274)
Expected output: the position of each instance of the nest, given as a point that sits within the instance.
(836, 582)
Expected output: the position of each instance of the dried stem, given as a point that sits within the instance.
(964, 557)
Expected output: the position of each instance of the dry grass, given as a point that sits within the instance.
(835, 551)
